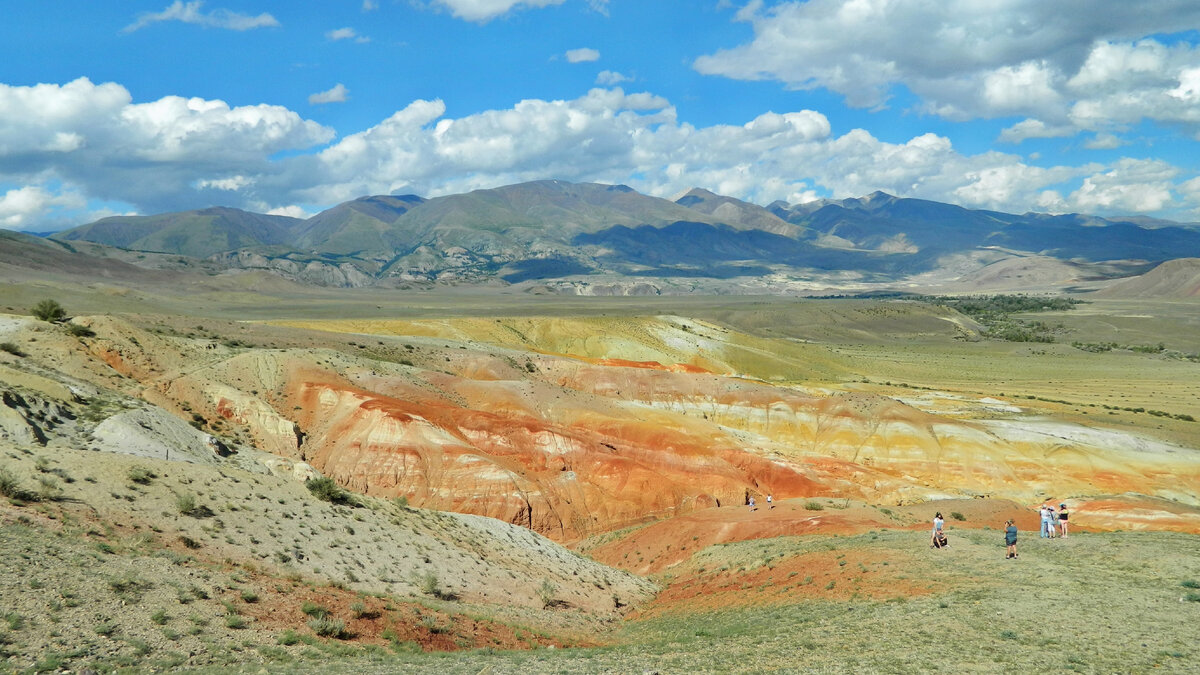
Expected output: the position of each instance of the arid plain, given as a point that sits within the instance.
(614, 442)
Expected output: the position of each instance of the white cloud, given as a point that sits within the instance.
(1031, 128)
(82, 140)
(1103, 142)
(190, 12)
(23, 207)
(1131, 186)
(610, 78)
(486, 10)
(94, 138)
(582, 55)
(1070, 65)
(292, 211)
(337, 94)
(346, 34)
(369, 5)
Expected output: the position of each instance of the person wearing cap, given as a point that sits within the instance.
(1062, 519)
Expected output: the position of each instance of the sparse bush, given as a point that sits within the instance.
(313, 609)
(49, 310)
(79, 330)
(546, 593)
(957, 516)
(357, 610)
(327, 626)
(288, 638)
(106, 627)
(327, 490)
(429, 584)
(249, 596)
(9, 485)
(159, 617)
(129, 587)
(813, 506)
(11, 348)
(187, 505)
(1190, 583)
(234, 621)
(140, 475)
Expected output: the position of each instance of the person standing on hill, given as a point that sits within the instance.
(938, 522)
(770, 502)
(752, 503)
(1062, 519)
(1045, 514)
(1010, 539)
(1051, 522)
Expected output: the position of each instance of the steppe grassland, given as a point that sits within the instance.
(1113, 602)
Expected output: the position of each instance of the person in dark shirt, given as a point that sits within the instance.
(1010, 539)
(1062, 519)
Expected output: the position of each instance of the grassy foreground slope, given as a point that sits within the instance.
(1113, 602)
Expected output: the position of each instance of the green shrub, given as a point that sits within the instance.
(49, 310)
(79, 331)
(249, 596)
(546, 593)
(234, 621)
(140, 475)
(288, 638)
(957, 516)
(11, 348)
(327, 490)
(160, 617)
(429, 584)
(9, 485)
(313, 609)
(327, 626)
(813, 506)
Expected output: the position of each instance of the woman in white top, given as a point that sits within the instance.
(937, 527)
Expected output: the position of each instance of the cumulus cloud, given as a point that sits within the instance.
(582, 55)
(486, 10)
(609, 78)
(346, 34)
(337, 94)
(369, 5)
(23, 207)
(191, 12)
(83, 140)
(1068, 65)
(94, 138)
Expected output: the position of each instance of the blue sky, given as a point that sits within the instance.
(285, 107)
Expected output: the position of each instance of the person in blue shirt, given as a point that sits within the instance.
(1010, 539)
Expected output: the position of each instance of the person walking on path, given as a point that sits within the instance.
(1062, 519)
(937, 529)
(770, 502)
(752, 503)
(1010, 539)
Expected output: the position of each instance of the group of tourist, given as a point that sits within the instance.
(1054, 524)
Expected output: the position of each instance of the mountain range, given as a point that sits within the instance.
(570, 236)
